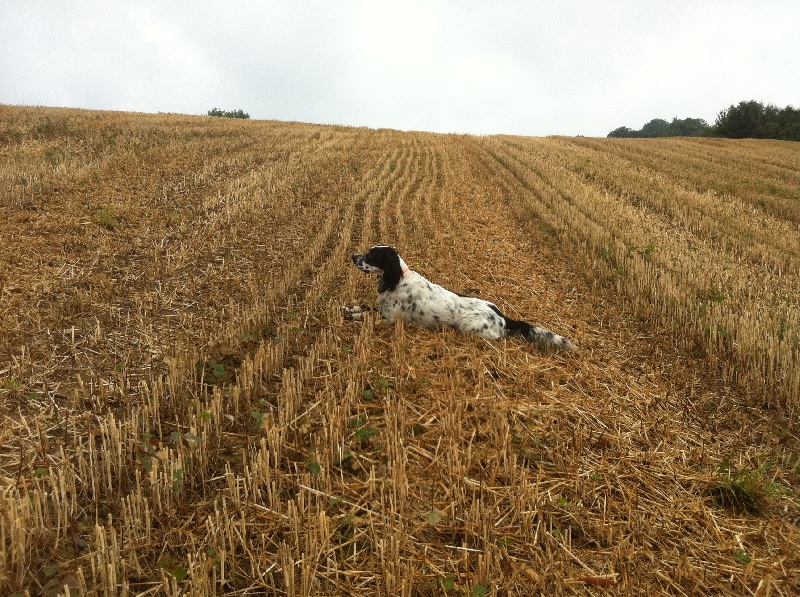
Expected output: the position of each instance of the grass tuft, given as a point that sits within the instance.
(744, 491)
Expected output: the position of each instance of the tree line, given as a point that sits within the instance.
(748, 119)
(228, 113)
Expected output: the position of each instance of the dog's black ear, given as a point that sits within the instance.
(387, 259)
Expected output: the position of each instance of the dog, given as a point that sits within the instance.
(405, 294)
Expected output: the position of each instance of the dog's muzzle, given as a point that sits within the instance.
(358, 260)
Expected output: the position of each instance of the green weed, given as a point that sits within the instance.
(107, 218)
(744, 491)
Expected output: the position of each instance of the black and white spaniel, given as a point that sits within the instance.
(406, 294)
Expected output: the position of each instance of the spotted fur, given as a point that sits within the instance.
(405, 294)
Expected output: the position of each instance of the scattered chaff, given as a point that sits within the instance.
(185, 410)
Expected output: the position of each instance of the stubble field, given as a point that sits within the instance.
(185, 411)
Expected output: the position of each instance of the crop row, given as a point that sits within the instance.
(667, 248)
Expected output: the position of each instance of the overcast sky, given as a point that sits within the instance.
(527, 68)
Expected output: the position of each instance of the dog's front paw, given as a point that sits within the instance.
(356, 312)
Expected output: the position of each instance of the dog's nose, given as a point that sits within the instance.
(355, 258)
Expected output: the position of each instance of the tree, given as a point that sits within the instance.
(739, 121)
(688, 127)
(745, 120)
(623, 132)
(788, 121)
(655, 128)
(750, 119)
(228, 114)
(755, 120)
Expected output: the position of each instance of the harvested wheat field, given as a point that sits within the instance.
(185, 410)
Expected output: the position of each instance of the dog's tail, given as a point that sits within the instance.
(544, 339)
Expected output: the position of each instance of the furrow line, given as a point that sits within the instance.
(679, 286)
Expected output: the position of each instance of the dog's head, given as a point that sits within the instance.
(377, 260)
(384, 261)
